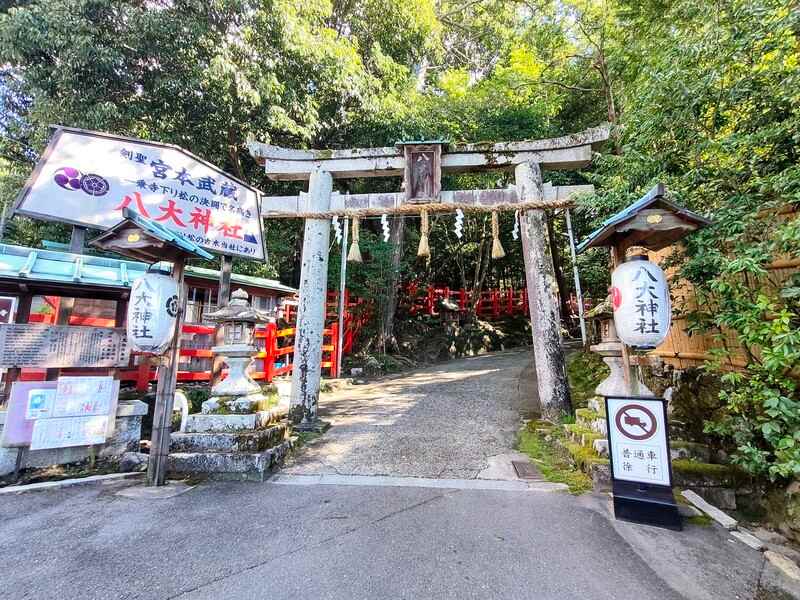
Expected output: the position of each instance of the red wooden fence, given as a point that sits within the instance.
(276, 346)
(492, 303)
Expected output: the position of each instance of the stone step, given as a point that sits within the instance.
(199, 423)
(242, 466)
(581, 435)
(244, 441)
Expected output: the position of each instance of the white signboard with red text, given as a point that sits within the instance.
(637, 440)
(86, 178)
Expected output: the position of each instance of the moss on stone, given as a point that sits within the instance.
(585, 371)
(585, 457)
(553, 460)
(539, 424)
(587, 414)
(582, 435)
(700, 520)
(691, 471)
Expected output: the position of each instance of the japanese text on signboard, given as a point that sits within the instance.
(87, 179)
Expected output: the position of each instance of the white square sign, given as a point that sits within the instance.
(637, 440)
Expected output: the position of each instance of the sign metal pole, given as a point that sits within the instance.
(576, 275)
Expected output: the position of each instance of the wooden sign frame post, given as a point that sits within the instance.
(142, 239)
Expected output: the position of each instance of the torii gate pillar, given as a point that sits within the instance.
(311, 306)
(551, 375)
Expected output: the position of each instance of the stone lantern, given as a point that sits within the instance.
(238, 393)
(610, 348)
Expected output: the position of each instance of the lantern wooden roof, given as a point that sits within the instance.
(653, 222)
(140, 238)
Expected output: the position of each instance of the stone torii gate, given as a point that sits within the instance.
(421, 164)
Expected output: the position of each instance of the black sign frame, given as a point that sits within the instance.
(644, 503)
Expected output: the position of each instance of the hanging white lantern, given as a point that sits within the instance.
(641, 302)
(152, 310)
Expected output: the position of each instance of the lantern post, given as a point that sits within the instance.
(142, 239)
(652, 223)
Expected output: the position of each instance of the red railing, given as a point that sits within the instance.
(274, 358)
(492, 303)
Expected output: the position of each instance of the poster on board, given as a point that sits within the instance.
(28, 401)
(86, 178)
(73, 411)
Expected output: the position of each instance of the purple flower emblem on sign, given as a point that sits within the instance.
(72, 180)
(94, 185)
(68, 178)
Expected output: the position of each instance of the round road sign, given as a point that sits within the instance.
(636, 422)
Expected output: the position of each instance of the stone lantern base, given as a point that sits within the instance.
(235, 436)
(238, 393)
(244, 447)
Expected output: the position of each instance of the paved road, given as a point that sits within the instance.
(369, 537)
(446, 421)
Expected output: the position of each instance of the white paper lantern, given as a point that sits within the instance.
(641, 302)
(152, 309)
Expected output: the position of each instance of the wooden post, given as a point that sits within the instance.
(334, 368)
(223, 297)
(551, 372)
(65, 307)
(628, 373)
(22, 316)
(77, 239)
(311, 307)
(270, 344)
(165, 392)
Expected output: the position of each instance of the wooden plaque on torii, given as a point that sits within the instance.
(422, 175)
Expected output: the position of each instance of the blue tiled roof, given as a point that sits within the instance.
(50, 266)
(655, 195)
(53, 266)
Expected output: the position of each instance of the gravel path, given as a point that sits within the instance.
(447, 421)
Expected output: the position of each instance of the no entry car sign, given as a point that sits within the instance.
(637, 438)
(638, 444)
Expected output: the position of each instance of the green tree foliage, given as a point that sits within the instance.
(710, 107)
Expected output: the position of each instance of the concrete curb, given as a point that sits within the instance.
(712, 511)
(424, 482)
(64, 483)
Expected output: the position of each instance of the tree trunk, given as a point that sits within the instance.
(387, 322)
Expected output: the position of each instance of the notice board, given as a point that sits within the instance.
(49, 346)
(73, 411)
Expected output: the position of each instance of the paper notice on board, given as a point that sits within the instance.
(70, 431)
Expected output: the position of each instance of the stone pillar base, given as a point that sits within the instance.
(318, 426)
